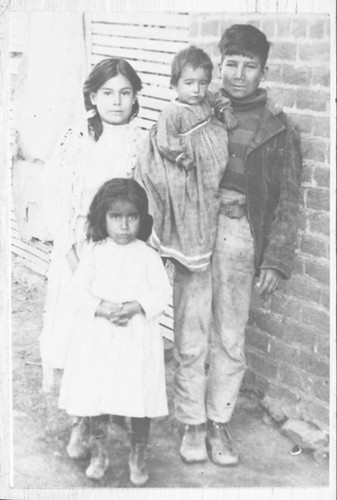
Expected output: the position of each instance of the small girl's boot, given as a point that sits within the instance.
(139, 475)
(78, 442)
(99, 450)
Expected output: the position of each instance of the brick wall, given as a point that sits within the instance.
(288, 334)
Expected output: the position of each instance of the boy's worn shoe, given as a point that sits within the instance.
(219, 444)
(99, 458)
(139, 475)
(193, 446)
(78, 442)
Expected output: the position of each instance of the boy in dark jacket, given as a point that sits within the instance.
(256, 236)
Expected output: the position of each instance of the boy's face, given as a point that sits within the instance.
(241, 75)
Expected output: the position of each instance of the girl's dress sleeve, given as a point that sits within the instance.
(83, 299)
(157, 292)
(58, 191)
(168, 127)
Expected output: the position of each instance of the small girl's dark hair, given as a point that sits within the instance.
(110, 191)
(192, 56)
(103, 71)
(245, 40)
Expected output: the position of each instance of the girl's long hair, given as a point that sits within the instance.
(110, 191)
(103, 71)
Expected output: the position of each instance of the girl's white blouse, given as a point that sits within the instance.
(107, 158)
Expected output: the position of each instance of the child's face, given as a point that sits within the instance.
(114, 100)
(192, 85)
(122, 221)
(241, 75)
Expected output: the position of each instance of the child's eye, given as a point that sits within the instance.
(126, 92)
(107, 92)
(204, 84)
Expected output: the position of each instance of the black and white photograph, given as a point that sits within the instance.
(167, 251)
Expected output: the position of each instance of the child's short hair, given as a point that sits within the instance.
(246, 40)
(110, 191)
(192, 56)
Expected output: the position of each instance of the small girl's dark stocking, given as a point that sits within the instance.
(140, 428)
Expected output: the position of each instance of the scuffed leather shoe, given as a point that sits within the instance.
(78, 442)
(220, 445)
(193, 446)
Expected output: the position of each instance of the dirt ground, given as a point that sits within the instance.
(41, 431)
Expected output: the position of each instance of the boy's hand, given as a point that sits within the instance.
(268, 281)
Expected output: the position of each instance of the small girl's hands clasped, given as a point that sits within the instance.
(118, 313)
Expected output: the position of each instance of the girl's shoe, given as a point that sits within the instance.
(139, 475)
(99, 458)
(78, 442)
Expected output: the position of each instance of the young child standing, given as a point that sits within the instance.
(104, 146)
(184, 161)
(256, 235)
(115, 363)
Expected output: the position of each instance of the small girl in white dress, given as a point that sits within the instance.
(115, 363)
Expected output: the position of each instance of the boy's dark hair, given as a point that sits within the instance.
(245, 40)
(103, 71)
(192, 56)
(110, 191)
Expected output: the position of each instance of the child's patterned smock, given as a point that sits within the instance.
(112, 369)
(185, 204)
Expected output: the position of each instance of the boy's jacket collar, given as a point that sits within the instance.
(269, 125)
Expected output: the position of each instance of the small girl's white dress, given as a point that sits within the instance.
(114, 369)
(78, 167)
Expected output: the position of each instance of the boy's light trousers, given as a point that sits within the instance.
(210, 314)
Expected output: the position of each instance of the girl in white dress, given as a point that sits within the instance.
(115, 361)
(106, 145)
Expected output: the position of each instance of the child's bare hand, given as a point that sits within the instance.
(268, 281)
(125, 312)
(229, 119)
(186, 163)
(108, 309)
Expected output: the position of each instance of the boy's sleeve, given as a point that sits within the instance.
(158, 291)
(169, 143)
(281, 240)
